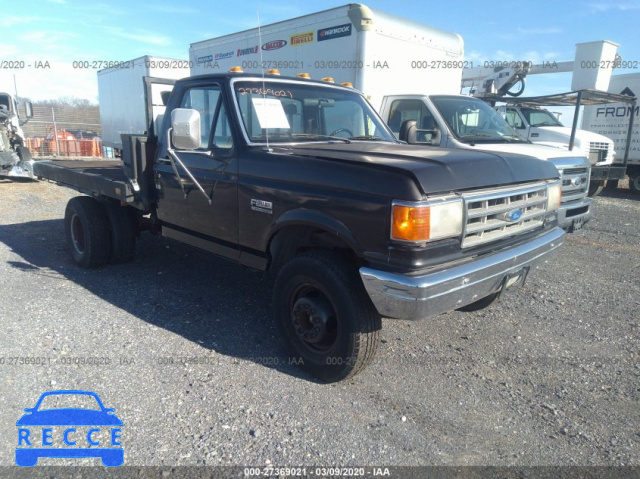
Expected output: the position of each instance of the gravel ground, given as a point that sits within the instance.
(550, 376)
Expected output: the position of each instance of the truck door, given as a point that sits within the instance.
(207, 220)
(515, 119)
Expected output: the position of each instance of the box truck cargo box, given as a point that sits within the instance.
(376, 52)
(122, 95)
(612, 121)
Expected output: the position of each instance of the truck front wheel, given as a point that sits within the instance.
(325, 315)
(612, 184)
(595, 188)
(634, 183)
(87, 232)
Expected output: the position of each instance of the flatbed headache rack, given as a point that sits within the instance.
(577, 98)
(91, 177)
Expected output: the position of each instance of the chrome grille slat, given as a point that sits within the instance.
(598, 151)
(503, 209)
(483, 224)
(570, 190)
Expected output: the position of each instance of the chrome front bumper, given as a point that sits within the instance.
(416, 297)
(572, 216)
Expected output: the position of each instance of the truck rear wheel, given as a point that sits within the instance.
(123, 233)
(87, 232)
(325, 316)
(595, 188)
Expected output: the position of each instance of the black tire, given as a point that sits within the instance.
(634, 183)
(123, 233)
(87, 232)
(595, 188)
(325, 316)
(23, 153)
(481, 303)
(612, 184)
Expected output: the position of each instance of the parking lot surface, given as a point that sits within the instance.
(183, 346)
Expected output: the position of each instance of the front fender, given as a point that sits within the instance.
(315, 219)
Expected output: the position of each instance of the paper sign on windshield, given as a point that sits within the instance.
(270, 113)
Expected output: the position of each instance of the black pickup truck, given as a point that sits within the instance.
(303, 179)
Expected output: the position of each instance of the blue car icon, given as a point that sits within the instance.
(68, 419)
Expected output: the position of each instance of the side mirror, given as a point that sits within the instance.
(435, 136)
(164, 96)
(409, 133)
(28, 109)
(185, 128)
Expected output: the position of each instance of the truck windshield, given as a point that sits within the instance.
(474, 121)
(288, 111)
(536, 117)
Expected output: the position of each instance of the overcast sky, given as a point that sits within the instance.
(56, 33)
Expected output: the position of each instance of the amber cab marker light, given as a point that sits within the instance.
(304, 75)
(235, 69)
(411, 223)
(328, 79)
(273, 71)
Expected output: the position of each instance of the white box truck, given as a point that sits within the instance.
(612, 121)
(122, 93)
(407, 70)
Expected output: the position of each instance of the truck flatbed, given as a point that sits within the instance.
(92, 177)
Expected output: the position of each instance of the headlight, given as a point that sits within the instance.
(428, 221)
(554, 196)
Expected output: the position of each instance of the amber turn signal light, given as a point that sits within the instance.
(411, 223)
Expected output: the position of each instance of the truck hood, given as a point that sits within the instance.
(437, 170)
(560, 135)
(542, 152)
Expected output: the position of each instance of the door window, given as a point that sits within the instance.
(204, 100)
(513, 119)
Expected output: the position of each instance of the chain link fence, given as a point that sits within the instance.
(69, 128)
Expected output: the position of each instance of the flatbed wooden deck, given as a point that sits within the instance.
(92, 177)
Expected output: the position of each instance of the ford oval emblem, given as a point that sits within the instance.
(515, 215)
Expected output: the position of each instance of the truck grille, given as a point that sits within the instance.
(488, 212)
(575, 184)
(598, 152)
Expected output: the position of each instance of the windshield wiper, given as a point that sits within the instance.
(476, 134)
(368, 137)
(312, 136)
(515, 139)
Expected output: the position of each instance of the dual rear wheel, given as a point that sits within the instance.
(99, 233)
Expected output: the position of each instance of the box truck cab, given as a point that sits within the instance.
(15, 159)
(541, 126)
(457, 121)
